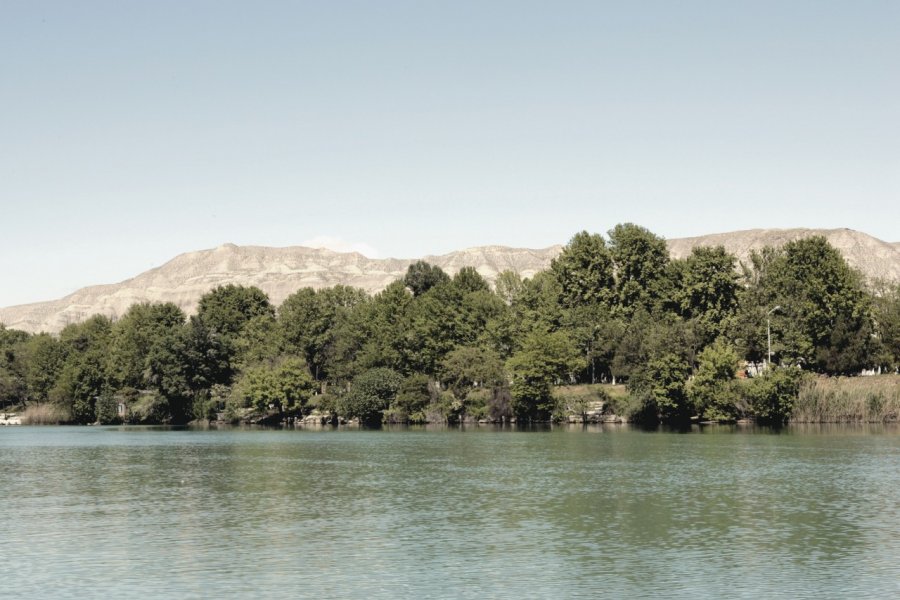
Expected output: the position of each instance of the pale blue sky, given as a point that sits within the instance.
(134, 131)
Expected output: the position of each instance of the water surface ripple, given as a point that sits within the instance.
(575, 513)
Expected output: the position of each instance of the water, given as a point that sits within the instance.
(570, 513)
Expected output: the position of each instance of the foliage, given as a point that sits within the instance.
(468, 370)
(545, 359)
(712, 390)
(432, 347)
(412, 400)
(823, 319)
(707, 290)
(135, 337)
(660, 386)
(309, 322)
(285, 387)
(422, 276)
(641, 261)
(370, 394)
(772, 395)
(226, 309)
(584, 271)
(468, 280)
(83, 377)
(886, 313)
(508, 286)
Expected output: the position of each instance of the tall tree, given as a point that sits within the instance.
(887, 320)
(708, 290)
(544, 360)
(641, 261)
(132, 338)
(584, 270)
(309, 321)
(824, 315)
(226, 309)
(83, 377)
(422, 276)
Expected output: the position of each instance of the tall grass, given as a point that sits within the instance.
(848, 399)
(45, 414)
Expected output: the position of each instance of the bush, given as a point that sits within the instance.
(412, 400)
(150, 408)
(660, 387)
(713, 391)
(772, 396)
(370, 394)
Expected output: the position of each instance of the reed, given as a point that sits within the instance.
(848, 399)
(45, 414)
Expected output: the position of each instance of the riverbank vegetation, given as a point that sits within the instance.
(615, 329)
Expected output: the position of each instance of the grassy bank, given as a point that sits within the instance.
(848, 399)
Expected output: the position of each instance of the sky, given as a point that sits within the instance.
(133, 131)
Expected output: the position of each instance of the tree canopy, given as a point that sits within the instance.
(432, 345)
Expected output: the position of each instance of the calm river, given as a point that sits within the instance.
(481, 513)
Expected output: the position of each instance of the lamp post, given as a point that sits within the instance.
(769, 332)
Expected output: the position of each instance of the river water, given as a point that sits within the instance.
(482, 513)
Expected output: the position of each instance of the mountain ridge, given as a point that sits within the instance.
(280, 271)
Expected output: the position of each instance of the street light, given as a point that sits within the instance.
(769, 332)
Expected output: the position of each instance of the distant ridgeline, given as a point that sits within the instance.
(681, 325)
(280, 272)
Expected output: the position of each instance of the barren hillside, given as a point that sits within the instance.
(277, 271)
(281, 271)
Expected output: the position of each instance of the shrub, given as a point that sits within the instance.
(370, 394)
(772, 396)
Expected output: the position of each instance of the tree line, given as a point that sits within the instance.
(431, 347)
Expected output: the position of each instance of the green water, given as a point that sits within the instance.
(609, 512)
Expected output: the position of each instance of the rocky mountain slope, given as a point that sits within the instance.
(277, 271)
(281, 271)
(874, 258)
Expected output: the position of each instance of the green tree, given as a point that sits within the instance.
(508, 286)
(650, 336)
(382, 330)
(370, 394)
(538, 306)
(584, 270)
(773, 395)
(886, 312)
(660, 386)
(226, 309)
(46, 357)
(468, 280)
(708, 290)
(260, 342)
(132, 338)
(824, 316)
(422, 276)
(13, 366)
(712, 391)
(83, 377)
(285, 387)
(467, 368)
(309, 322)
(544, 360)
(597, 335)
(641, 262)
(412, 400)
